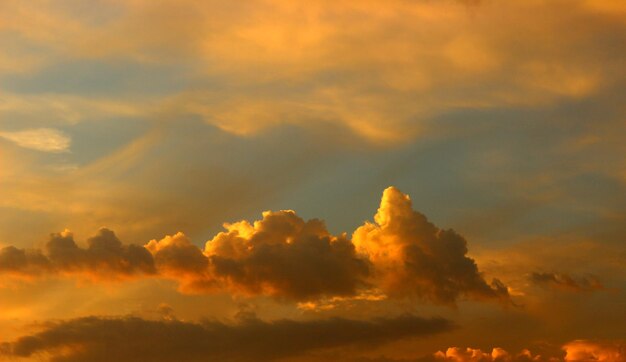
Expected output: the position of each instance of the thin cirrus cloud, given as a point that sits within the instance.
(402, 254)
(135, 339)
(40, 139)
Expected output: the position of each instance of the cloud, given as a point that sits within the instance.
(283, 253)
(40, 139)
(382, 71)
(285, 257)
(566, 282)
(281, 256)
(575, 351)
(412, 257)
(455, 354)
(135, 339)
(176, 257)
(104, 258)
(589, 351)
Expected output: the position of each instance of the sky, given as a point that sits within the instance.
(300, 181)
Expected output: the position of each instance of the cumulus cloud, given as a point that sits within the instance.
(575, 351)
(588, 351)
(135, 339)
(281, 256)
(284, 254)
(286, 257)
(456, 354)
(177, 258)
(40, 139)
(566, 282)
(412, 257)
(105, 257)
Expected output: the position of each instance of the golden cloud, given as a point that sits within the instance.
(575, 351)
(455, 354)
(587, 351)
(380, 70)
(402, 254)
(41, 139)
(414, 257)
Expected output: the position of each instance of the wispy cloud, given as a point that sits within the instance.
(40, 139)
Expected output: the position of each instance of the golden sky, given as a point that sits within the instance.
(283, 180)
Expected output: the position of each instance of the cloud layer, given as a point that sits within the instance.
(283, 256)
(135, 339)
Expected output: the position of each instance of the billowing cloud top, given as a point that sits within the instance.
(414, 257)
(284, 256)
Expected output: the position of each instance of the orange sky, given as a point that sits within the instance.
(272, 180)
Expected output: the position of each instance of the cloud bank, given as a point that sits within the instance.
(104, 258)
(136, 339)
(283, 256)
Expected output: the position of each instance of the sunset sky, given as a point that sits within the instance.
(301, 181)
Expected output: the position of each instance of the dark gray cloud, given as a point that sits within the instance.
(566, 282)
(135, 339)
(105, 257)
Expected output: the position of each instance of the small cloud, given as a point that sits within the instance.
(581, 350)
(497, 354)
(40, 139)
(566, 282)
